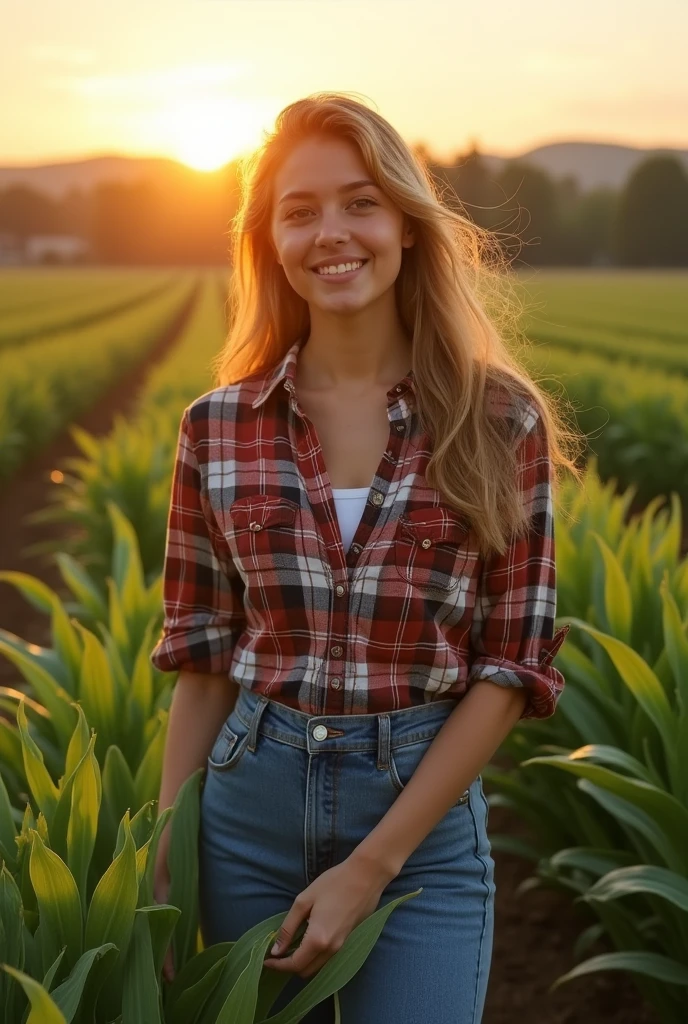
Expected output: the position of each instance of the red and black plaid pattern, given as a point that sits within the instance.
(257, 583)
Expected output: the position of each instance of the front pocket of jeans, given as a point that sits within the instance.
(403, 762)
(227, 749)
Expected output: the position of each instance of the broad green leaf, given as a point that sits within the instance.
(593, 861)
(43, 789)
(78, 742)
(669, 814)
(642, 682)
(82, 586)
(613, 757)
(51, 694)
(52, 970)
(43, 1009)
(11, 752)
(676, 644)
(240, 1004)
(99, 974)
(97, 690)
(162, 919)
(140, 997)
(193, 971)
(141, 825)
(83, 820)
(111, 913)
(617, 596)
(58, 903)
(34, 590)
(11, 920)
(8, 829)
(62, 819)
(118, 784)
(654, 965)
(146, 895)
(149, 774)
(194, 999)
(68, 994)
(642, 878)
(183, 864)
(637, 819)
(117, 623)
(141, 679)
(66, 643)
(127, 570)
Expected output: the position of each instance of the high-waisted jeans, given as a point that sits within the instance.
(288, 795)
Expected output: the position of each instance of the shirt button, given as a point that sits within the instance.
(336, 651)
(400, 427)
(254, 526)
(335, 682)
(356, 548)
(320, 732)
(398, 387)
(377, 498)
(339, 590)
(426, 543)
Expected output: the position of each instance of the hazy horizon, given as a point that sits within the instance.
(201, 81)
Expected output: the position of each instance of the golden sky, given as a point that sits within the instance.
(200, 80)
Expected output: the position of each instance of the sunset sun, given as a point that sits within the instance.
(206, 136)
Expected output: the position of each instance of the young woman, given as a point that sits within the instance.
(359, 582)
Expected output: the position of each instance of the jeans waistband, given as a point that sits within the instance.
(319, 733)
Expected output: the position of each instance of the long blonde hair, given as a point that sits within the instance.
(448, 280)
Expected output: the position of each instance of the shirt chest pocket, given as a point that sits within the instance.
(432, 548)
(264, 533)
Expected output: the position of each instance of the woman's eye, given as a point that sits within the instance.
(363, 199)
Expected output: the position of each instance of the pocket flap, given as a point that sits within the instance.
(438, 525)
(263, 510)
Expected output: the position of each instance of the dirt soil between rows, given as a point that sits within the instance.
(534, 932)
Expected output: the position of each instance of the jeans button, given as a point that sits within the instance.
(320, 732)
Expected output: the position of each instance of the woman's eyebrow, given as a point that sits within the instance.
(344, 188)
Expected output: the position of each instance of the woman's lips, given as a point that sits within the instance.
(346, 276)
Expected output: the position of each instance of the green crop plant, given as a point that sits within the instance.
(81, 938)
(603, 783)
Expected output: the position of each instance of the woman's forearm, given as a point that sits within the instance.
(200, 704)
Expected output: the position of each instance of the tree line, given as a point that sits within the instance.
(181, 216)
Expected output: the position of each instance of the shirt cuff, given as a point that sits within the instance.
(544, 682)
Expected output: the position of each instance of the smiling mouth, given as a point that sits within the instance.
(344, 276)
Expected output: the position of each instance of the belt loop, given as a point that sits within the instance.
(383, 737)
(255, 720)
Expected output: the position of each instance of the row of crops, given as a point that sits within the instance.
(603, 783)
(617, 344)
(59, 355)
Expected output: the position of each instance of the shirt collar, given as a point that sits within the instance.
(285, 371)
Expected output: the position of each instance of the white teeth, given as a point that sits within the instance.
(340, 269)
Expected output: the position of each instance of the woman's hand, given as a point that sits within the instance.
(335, 903)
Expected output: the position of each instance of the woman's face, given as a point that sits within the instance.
(329, 225)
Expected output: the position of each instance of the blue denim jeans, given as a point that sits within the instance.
(288, 795)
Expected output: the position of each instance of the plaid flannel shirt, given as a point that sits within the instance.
(256, 582)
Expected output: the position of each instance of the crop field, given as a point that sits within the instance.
(588, 809)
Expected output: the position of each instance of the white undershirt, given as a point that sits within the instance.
(349, 503)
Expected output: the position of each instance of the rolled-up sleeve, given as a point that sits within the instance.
(513, 642)
(202, 591)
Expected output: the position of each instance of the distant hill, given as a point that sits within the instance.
(594, 165)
